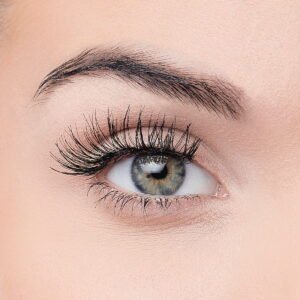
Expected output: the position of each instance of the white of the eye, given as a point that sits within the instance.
(120, 175)
(197, 180)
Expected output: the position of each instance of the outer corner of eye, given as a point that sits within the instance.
(165, 177)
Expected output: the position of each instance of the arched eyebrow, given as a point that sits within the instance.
(156, 75)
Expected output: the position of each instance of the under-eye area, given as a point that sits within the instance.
(138, 165)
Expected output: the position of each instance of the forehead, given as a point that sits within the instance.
(255, 43)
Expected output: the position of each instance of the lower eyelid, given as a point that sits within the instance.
(179, 211)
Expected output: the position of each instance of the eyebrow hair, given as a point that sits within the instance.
(154, 74)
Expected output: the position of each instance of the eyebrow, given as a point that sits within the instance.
(151, 73)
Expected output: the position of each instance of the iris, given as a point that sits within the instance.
(158, 175)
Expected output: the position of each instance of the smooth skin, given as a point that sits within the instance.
(56, 245)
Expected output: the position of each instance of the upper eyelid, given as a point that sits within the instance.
(73, 152)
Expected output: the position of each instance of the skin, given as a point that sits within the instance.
(56, 245)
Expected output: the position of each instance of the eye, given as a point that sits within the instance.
(161, 176)
(143, 171)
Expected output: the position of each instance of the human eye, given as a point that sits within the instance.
(162, 175)
(138, 166)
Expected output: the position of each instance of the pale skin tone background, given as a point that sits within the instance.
(56, 245)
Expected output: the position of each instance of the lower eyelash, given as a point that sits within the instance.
(120, 200)
(162, 211)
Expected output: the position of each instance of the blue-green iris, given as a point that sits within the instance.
(158, 175)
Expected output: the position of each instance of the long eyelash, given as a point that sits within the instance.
(91, 151)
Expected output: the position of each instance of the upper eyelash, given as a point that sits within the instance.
(92, 151)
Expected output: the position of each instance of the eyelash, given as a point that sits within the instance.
(91, 151)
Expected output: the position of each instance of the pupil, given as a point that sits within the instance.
(161, 175)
